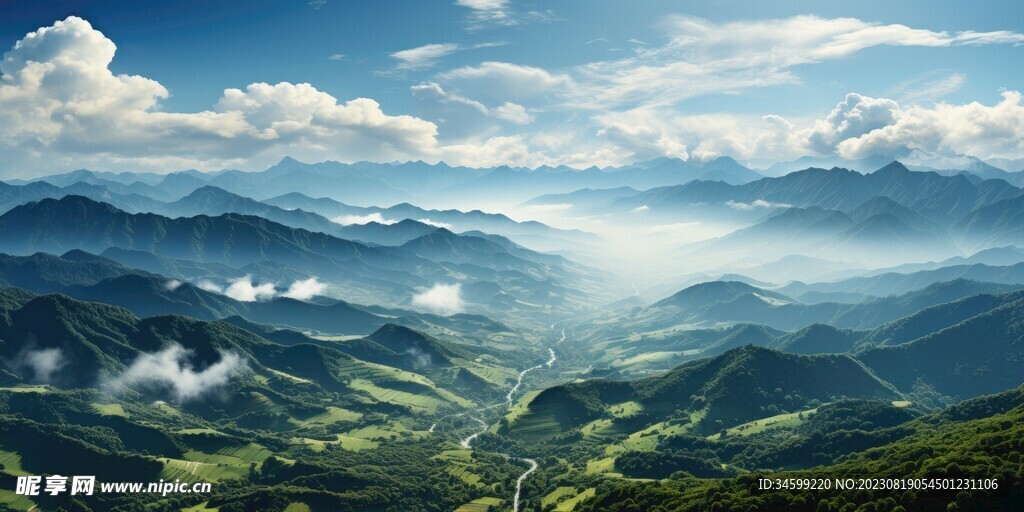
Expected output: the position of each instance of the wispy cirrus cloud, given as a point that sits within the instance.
(631, 103)
(434, 90)
(705, 57)
(702, 57)
(423, 56)
(483, 5)
(929, 88)
(485, 14)
(497, 81)
(507, 111)
(428, 55)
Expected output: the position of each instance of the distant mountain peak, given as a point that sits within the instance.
(83, 256)
(387, 331)
(893, 167)
(68, 202)
(211, 190)
(708, 292)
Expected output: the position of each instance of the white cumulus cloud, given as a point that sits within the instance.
(644, 141)
(946, 129)
(858, 126)
(513, 113)
(445, 299)
(854, 116)
(510, 150)
(170, 370)
(62, 107)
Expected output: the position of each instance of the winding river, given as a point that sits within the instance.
(519, 381)
(467, 442)
(519, 483)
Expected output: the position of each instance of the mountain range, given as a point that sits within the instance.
(724, 301)
(342, 337)
(261, 248)
(368, 184)
(930, 194)
(94, 278)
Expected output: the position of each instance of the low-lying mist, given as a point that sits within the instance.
(171, 370)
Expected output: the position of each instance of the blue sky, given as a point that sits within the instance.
(486, 82)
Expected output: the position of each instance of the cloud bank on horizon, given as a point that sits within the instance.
(62, 107)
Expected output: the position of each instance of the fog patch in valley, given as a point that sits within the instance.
(305, 289)
(171, 370)
(349, 220)
(420, 359)
(556, 207)
(436, 224)
(42, 362)
(244, 289)
(445, 299)
(753, 205)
